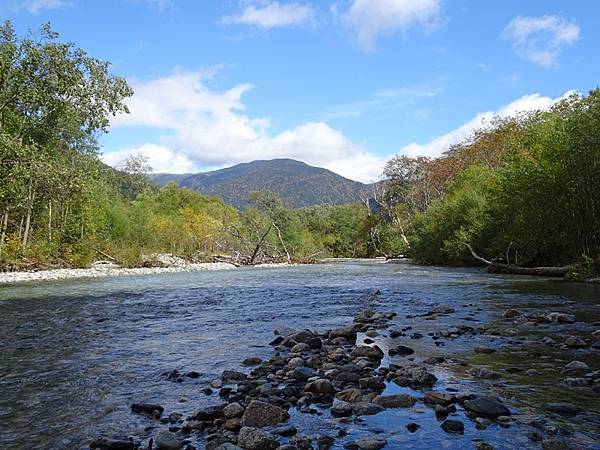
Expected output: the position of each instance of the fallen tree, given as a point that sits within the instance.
(514, 269)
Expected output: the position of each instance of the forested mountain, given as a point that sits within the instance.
(297, 183)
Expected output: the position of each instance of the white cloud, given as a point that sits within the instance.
(541, 39)
(36, 6)
(205, 128)
(373, 18)
(272, 15)
(440, 144)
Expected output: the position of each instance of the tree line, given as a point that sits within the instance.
(522, 191)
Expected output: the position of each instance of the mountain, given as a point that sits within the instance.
(297, 183)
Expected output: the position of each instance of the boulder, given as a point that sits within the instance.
(304, 373)
(344, 332)
(208, 413)
(575, 368)
(341, 408)
(252, 361)
(165, 440)
(487, 406)
(254, 439)
(401, 350)
(453, 426)
(395, 401)
(262, 414)
(148, 409)
(233, 410)
(365, 351)
(320, 388)
(232, 375)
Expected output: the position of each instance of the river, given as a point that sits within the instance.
(76, 354)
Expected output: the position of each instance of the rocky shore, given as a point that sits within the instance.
(346, 375)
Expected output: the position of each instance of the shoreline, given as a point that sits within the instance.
(7, 278)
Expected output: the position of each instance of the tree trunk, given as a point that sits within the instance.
(50, 220)
(3, 227)
(259, 245)
(282, 243)
(494, 267)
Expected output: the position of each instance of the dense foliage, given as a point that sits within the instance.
(526, 189)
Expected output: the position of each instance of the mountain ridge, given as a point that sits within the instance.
(299, 184)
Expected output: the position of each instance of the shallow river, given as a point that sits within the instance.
(75, 354)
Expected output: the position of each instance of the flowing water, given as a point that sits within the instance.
(75, 354)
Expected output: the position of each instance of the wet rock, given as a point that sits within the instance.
(487, 406)
(341, 408)
(254, 439)
(324, 442)
(233, 424)
(216, 384)
(372, 383)
(285, 430)
(433, 360)
(453, 426)
(366, 408)
(233, 410)
(420, 377)
(252, 361)
(232, 375)
(350, 395)
(174, 417)
(320, 388)
(412, 427)
(148, 409)
(554, 444)
(112, 444)
(575, 342)
(395, 401)
(304, 373)
(482, 446)
(300, 348)
(365, 351)
(348, 332)
(401, 350)
(165, 440)
(575, 368)
(208, 413)
(484, 350)
(442, 308)
(511, 313)
(192, 374)
(439, 398)
(558, 317)
(228, 446)
(371, 443)
(561, 408)
(261, 414)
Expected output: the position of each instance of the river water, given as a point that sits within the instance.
(75, 354)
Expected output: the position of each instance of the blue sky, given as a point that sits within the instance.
(340, 84)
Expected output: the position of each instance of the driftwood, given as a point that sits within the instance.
(496, 267)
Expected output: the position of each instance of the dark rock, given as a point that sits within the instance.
(320, 388)
(112, 444)
(511, 313)
(233, 410)
(487, 406)
(575, 368)
(261, 414)
(232, 375)
(192, 374)
(401, 350)
(147, 409)
(255, 439)
(412, 427)
(366, 351)
(561, 408)
(208, 413)
(575, 342)
(252, 361)
(348, 332)
(453, 426)
(366, 408)
(421, 378)
(554, 444)
(285, 430)
(165, 440)
(371, 443)
(304, 373)
(439, 398)
(484, 350)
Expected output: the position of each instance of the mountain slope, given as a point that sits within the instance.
(297, 183)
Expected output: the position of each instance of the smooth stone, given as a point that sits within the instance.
(561, 408)
(165, 440)
(148, 409)
(233, 410)
(304, 373)
(261, 414)
(320, 388)
(395, 401)
(371, 443)
(453, 426)
(366, 351)
(401, 350)
(487, 406)
(554, 444)
(252, 361)
(341, 408)
(366, 408)
(575, 367)
(112, 444)
(285, 430)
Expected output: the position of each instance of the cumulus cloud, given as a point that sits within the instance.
(272, 15)
(440, 144)
(373, 18)
(204, 128)
(541, 39)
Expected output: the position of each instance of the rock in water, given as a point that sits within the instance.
(453, 426)
(165, 440)
(233, 410)
(366, 409)
(341, 408)
(395, 401)
(255, 439)
(148, 409)
(575, 368)
(261, 414)
(371, 443)
(487, 406)
(561, 408)
(112, 444)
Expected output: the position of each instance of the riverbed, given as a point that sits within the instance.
(77, 353)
